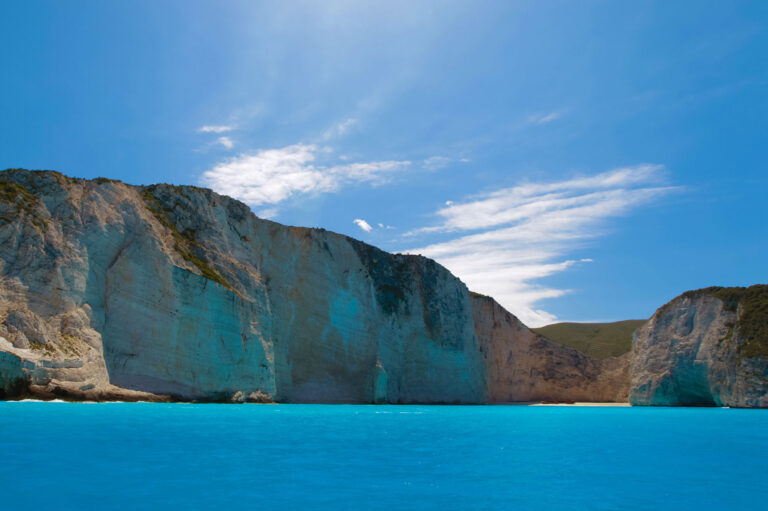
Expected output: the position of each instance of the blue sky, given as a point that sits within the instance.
(576, 160)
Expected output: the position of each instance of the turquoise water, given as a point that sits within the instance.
(182, 456)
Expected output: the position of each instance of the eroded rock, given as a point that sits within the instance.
(524, 366)
(707, 347)
(178, 291)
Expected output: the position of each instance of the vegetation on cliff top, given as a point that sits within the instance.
(752, 323)
(103, 180)
(22, 202)
(598, 340)
(184, 242)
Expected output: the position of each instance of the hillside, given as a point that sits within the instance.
(599, 340)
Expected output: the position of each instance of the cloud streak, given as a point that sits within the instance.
(544, 118)
(340, 129)
(215, 129)
(502, 242)
(226, 142)
(270, 176)
(362, 224)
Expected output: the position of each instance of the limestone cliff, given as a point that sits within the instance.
(705, 347)
(112, 291)
(524, 366)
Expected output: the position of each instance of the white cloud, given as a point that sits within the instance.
(508, 239)
(226, 142)
(343, 127)
(215, 129)
(376, 172)
(540, 119)
(269, 176)
(363, 224)
(272, 175)
(436, 162)
(268, 213)
(340, 129)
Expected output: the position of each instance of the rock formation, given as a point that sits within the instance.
(178, 291)
(705, 347)
(524, 366)
(117, 292)
(111, 291)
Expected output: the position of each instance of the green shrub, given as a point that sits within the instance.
(752, 324)
(184, 242)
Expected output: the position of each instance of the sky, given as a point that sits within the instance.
(578, 161)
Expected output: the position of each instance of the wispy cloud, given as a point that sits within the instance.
(540, 119)
(226, 142)
(505, 241)
(215, 129)
(339, 129)
(270, 176)
(436, 162)
(362, 224)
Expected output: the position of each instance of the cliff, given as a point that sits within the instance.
(112, 291)
(524, 366)
(705, 347)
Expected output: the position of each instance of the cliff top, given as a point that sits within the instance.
(174, 206)
(751, 303)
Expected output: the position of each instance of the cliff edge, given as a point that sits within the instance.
(707, 347)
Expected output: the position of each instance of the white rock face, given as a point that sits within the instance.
(524, 366)
(694, 351)
(177, 291)
(110, 291)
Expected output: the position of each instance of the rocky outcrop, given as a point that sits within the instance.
(524, 366)
(111, 291)
(705, 347)
(114, 291)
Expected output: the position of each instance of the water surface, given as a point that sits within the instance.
(183, 456)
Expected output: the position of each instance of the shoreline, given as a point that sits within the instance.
(511, 403)
(585, 403)
(581, 404)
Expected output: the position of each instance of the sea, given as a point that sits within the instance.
(136, 456)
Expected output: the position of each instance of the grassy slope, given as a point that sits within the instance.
(599, 340)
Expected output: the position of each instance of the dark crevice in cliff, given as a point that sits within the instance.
(388, 272)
